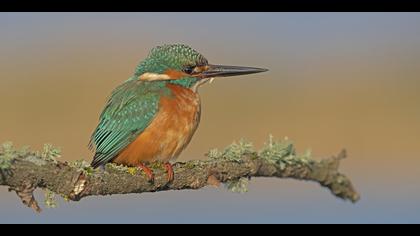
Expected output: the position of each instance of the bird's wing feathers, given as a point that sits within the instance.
(130, 109)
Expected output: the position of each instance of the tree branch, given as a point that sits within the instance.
(74, 181)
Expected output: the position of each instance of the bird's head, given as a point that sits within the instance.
(180, 64)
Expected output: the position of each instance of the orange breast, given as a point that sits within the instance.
(169, 132)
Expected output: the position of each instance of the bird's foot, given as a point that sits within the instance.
(169, 171)
(148, 172)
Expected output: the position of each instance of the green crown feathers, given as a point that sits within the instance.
(171, 56)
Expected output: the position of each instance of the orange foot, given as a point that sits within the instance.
(148, 172)
(170, 171)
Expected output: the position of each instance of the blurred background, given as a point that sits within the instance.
(336, 80)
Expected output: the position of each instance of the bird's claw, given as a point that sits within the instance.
(169, 171)
(148, 172)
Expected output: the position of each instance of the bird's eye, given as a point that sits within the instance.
(188, 69)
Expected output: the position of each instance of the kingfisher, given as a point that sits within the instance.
(153, 115)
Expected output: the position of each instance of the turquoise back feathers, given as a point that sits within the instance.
(133, 105)
(130, 109)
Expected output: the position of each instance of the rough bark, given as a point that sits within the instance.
(32, 170)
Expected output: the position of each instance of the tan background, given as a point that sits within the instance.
(335, 80)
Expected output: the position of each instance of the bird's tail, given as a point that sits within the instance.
(95, 162)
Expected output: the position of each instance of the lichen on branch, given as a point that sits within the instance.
(24, 171)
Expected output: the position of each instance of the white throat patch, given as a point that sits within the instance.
(201, 82)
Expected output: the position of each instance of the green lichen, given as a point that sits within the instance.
(24, 151)
(283, 153)
(113, 166)
(50, 201)
(7, 148)
(156, 165)
(65, 198)
(279, 152)
(238, 186)
(132, 170)
(276, 151)
(83, 166)
(50, 153)
(7, 155)
(89, 170)
(36, 160)
(190, 165)
(214, 153)
(233, 152)
(236, 150)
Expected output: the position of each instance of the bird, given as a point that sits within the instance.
(152, 116)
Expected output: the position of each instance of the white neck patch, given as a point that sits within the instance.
(153, 76)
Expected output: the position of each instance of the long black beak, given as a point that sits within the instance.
(225, 71)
